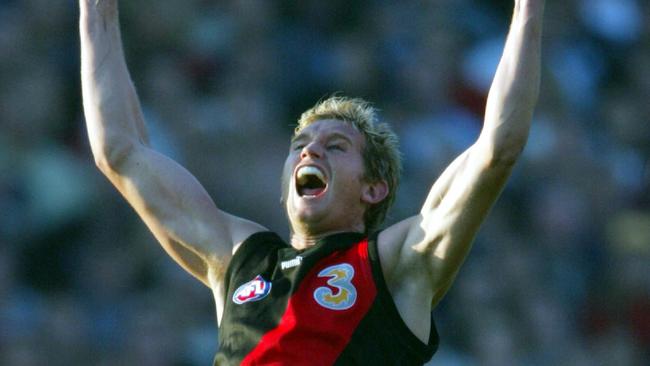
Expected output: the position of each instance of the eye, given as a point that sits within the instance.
(297, 147)
(335, 147)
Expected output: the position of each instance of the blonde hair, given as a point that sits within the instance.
(381, 154)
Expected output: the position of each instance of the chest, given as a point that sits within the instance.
(294, 287)
(300, 303)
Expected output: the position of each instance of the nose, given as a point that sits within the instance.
(312, 149)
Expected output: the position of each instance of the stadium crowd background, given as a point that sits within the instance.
(559, 274)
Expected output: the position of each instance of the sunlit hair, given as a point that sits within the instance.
(381, 154)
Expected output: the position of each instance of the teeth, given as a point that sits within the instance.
(306, 171)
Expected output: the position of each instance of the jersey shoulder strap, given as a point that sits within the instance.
(253, 250)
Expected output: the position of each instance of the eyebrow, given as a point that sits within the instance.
(332, 136)
(338, 135)
(299, 136)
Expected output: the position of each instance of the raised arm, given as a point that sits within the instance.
(175, 207)
(440, 237)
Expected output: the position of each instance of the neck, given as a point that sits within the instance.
(301, 240)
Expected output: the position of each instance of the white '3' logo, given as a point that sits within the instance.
(340, 278)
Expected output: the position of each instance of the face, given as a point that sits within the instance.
(323, 186)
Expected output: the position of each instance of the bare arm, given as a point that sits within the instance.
(440, 237)
(175, 207)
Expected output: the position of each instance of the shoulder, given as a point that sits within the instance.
(391, 247)
(250, 248)
(257, 244)
(407, 274)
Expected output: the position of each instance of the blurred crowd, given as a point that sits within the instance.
(559, 273)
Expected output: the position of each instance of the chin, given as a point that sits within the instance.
(307, 216)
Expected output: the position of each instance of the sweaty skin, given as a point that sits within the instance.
(420, 255)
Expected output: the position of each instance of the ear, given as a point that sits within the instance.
(373, 193)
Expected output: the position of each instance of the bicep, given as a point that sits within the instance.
(179, 212)
(456, 206)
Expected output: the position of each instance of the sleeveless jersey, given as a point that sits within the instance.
(325, 305)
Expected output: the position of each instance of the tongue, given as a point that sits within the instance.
(312, 191)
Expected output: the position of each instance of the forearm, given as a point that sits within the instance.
(514, 91)
(111, 107)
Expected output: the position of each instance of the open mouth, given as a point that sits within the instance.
(310, 181)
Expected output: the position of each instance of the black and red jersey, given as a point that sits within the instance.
(325, 305)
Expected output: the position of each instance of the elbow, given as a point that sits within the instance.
(507, 155)
(110, 158)
(103, 163)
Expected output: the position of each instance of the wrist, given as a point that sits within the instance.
(531, 9)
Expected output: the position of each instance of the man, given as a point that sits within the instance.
(343, 292)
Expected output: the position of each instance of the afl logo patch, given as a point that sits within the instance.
(254, 290)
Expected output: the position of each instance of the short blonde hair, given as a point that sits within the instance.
(381, 156)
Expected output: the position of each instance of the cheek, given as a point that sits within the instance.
(351, 177)
(354, 169)
(287, 172)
